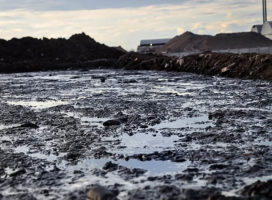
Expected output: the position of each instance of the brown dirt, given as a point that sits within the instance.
(193, 42)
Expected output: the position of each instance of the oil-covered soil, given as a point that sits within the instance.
(113, 134)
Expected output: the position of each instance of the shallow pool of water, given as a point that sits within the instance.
(152, 167)
(48, 157)
(143, 143)
(37, 104)
(191, 122)
(2, 126)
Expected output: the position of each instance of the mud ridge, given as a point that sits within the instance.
(245, 66)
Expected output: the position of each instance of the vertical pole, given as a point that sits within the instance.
(265, 10)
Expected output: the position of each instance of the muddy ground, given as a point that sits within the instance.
(137, 134)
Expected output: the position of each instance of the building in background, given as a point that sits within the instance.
(266, 28)
(150, 46)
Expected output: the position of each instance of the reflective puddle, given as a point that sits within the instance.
(152, 167)
(37, 104)
(2, 126)
(27, 151)
(193, 122)
(93, 121)
(144, 143)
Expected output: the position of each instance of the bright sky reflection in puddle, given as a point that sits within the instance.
(37, 104)
(192, 122)
(153, 167)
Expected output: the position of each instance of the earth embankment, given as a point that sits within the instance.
(31, 54)
(245, 66)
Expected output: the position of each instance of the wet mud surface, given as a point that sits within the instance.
(138, 134)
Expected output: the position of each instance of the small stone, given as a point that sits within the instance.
(102, 79)
(112, 123)
(261, 190)
(110, 166)
(184, 177)
(100, 193)
(218, 166)
(72, 156)
(29, 125)
(18, 172)
(144, 126)
(179, 159)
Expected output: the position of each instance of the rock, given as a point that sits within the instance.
(29, 125)
(179, 159)
(192, 170)
(18, 172)
(130, 81)
(21, 196)
(201, 194)
(225, 69)
(72, 156)
(184, 177)
(113, 122)
(221, 197)
(110, 166)
(100, 193)
(218, 166)
(261, 190)
(144, 126)
(101, 78)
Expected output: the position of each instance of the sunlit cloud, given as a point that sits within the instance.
(127, 26)
(180, 30)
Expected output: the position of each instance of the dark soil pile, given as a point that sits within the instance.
(31, 54)
(193, 42)
(246, 66)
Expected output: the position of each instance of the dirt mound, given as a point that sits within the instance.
(193, 42)
(245, 66)
(29, 54)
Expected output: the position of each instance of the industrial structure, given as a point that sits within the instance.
(261, 45)
(150, 46)
(266, 28)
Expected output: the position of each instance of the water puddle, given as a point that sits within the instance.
(157, 167)
(2, 126)
(27, 151)
(93, 121)
(169, 90)
(152, 167)
(264, 143)
(37, 104)
(144, 143)
(193, 122)
(88, 121)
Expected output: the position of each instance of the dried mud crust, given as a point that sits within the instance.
(134, 135)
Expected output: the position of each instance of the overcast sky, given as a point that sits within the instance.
(126, 22)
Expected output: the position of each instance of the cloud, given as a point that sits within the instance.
(42, 5)
(180, 30)
(127, 26)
